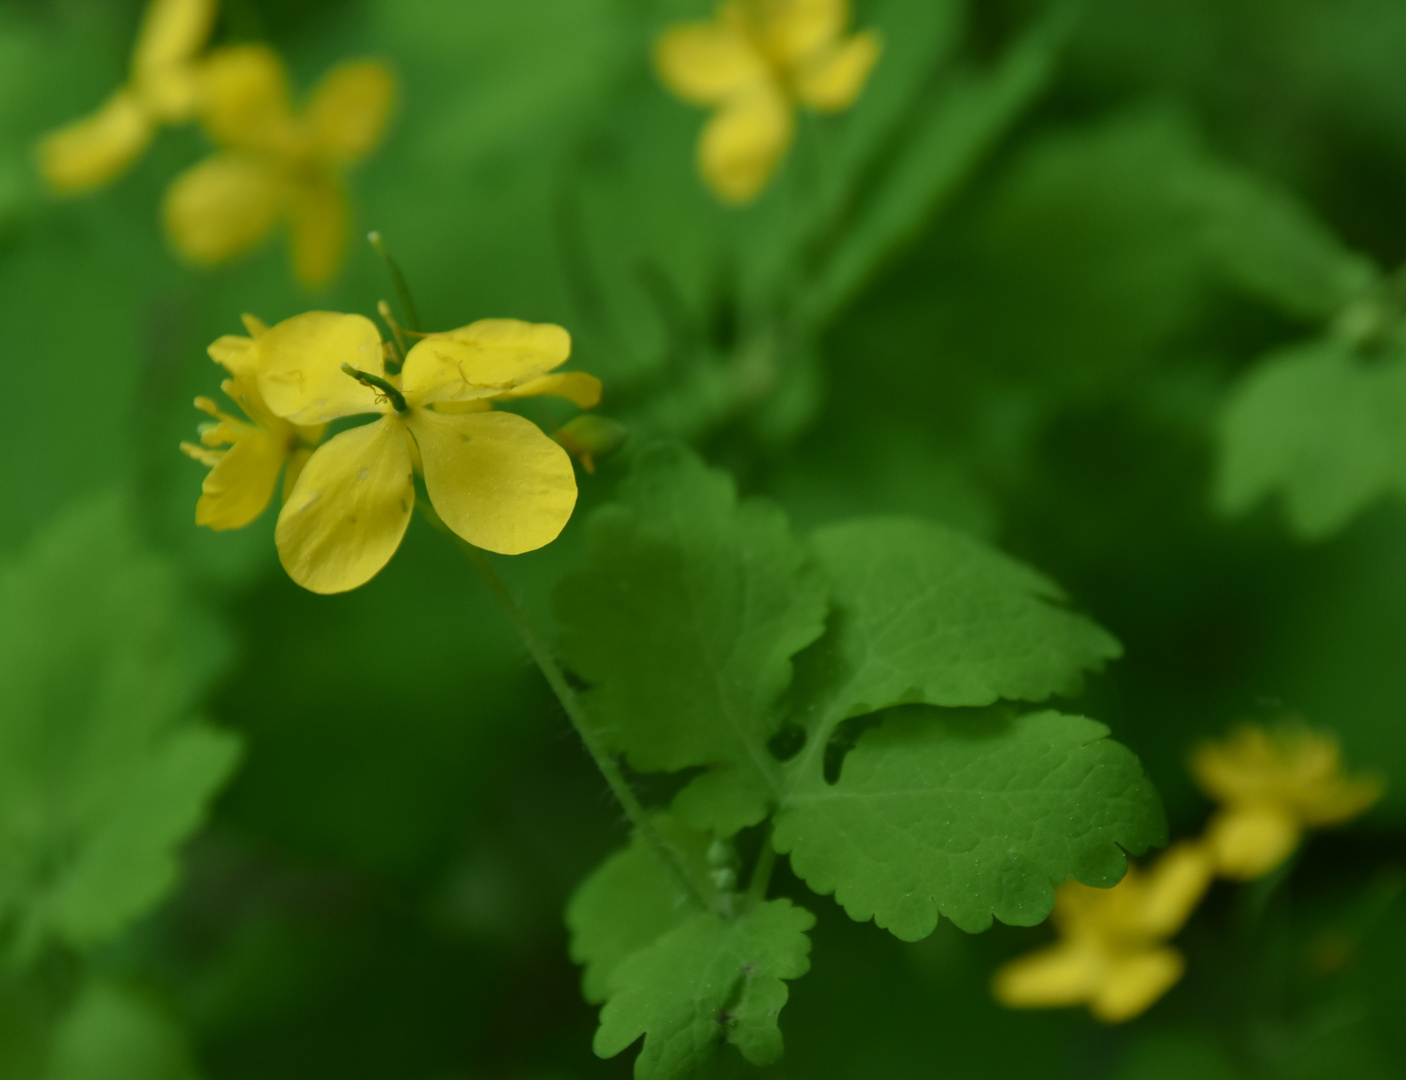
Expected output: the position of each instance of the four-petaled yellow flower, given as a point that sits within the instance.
(277, 165)
(164, 88)
(493, 477)
(1270, 786)
(754, 63)
(1112, 954)
(242, 478)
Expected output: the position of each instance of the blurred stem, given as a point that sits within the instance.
(761, 872)
(571, 705)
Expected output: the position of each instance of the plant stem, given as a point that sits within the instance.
(571, 705)
(761, 872)
(402, 290)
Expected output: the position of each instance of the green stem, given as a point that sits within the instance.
(402, 290)
(571, 705)
(761, 873)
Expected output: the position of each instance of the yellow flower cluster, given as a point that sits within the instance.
(754, 63)
(492, 477)
(275, 165)
(1112, 955)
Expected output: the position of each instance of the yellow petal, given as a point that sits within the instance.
(1250, 840)
(301, 377)
(495, 479)
(744, 142)
(349, 109)
(318, 216)
(240, 485)
(793, 29)
(483, 359)
(1340, 801)
(579, 388)
(172, 32)
(706, 62)
(831, 78)
(94, 150)
(1133, 982)
(246, 100)
(163, 74)
(223, 206)
(236, 354)
(349, 509)
(1067, 973)
(1174, 886)
(297, 461)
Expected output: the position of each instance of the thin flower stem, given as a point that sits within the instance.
(571, 705)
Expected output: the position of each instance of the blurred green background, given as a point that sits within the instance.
(1013, 290)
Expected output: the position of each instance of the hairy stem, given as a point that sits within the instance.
(571, 705)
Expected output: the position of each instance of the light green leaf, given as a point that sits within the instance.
(707, 982)
(628, 903)
(113, 1032)
(933, 815)
(684, 626)
(1319, 426)
(923, 613)
(103, 771)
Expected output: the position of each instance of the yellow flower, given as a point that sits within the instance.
(163, 88)
(754, 63)
(277, 165)
(242, 478)
(1270, 786)
(1112, 955)
(493, 477)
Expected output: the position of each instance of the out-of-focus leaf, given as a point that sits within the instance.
(933, 817)
(685, 626)
(1321, 427)
(707, 982)
(958, 126)
(103, 770)
(113, 1032)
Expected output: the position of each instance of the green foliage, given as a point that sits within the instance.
(1321, 426)
(686, 625)
(113, 1032)
(105, 770)
(707, 981)
(934, 816)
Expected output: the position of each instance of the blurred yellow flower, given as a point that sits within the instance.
(1270, 786)
(277, 165)
(1112, 954)
(242, 478)
(754, 63)
(164, 88)
(493, 477)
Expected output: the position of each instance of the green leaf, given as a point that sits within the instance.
(1320, 427)
(923, 613)
(684, 625)
(103, 772)
(628, 903)
(935, 816)
(114, 1032)
(707, 982)
(1265, 241)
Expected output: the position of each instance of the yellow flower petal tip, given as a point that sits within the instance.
(278, 166)
(163, 87)
(754, 64)
(1272, 784)
(493, 478)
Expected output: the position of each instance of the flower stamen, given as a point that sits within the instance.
(385, 392)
